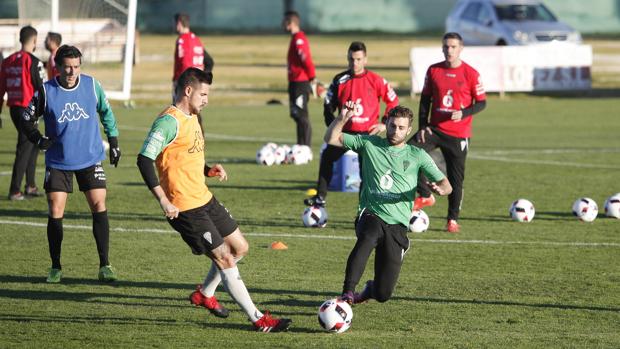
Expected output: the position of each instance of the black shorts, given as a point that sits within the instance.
(92, 177)
(298, 96)
(204, 228)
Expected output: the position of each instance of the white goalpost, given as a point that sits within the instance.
(104, 30)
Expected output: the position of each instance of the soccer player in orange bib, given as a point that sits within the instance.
(175, 145)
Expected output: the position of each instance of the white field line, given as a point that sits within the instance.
(540, 162)
(334, 237)
(546, 151)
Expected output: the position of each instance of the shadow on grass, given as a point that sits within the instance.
(206, 323)
(91, 297)
(509, 303)
(96, 320)
(5, 279)
(540, 216)
(81, 215)
(100, 297)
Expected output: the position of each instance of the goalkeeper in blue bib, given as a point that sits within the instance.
(72, 105)
(390, 171)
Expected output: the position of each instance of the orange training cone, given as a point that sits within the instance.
(278, 245)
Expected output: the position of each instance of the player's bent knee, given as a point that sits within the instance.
(242, 250)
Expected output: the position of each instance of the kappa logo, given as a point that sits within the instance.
(72, 112)
(198, 145)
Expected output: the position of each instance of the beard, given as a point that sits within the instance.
(194, 110)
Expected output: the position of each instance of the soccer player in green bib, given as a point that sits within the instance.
(390, 171)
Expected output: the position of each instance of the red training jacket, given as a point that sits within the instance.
(21, 75)
(366, 90)
(452, 89)
(189, 52)
(299, 59)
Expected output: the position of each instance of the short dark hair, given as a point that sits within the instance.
(191, 77)
(291, 16)
(357, 46)
(183, 18)
(400, 111)
(452, 35)
(55, 37)
(67, 51)
(26, 33)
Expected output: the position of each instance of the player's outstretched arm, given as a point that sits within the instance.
(333, 135)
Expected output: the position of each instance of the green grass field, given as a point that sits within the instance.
(554, 282)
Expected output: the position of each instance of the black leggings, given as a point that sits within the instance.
(26, 154)
(390, 242)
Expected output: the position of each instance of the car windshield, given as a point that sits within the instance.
(524, 13)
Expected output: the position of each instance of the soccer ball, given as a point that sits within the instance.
(612, 206)
(106, 145)
(585, 209)
(286, 149)
(298, 155)
(279, 155)
(271, 145)
(265, 156)
(308, 152)
(522, 210)
(419, 222)
(314, 217)
(335, 315)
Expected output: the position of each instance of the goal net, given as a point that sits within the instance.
(104, 30)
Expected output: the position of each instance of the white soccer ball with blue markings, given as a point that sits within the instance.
(314, 217)
(585, 209)
(265, 156)
(419, 221)
(335, 315)
(612, 206)
(522, 210)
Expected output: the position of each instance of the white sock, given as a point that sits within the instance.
(213, 279)
(239, 293)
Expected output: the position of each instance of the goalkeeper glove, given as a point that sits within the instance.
(115, 151)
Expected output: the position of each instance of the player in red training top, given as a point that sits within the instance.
(301, 75)
(189, 51)
(52, 43)
(366, 89)
(454, 91)
(21, 75)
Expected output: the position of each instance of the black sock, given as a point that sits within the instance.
(54, 240)
(101, 232)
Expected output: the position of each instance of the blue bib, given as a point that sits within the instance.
(72, 121)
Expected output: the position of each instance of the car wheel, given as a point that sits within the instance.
(501, 42)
